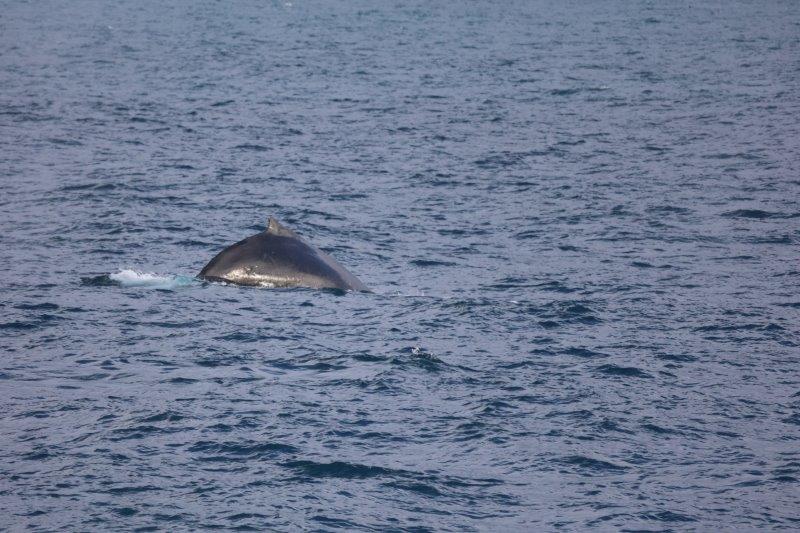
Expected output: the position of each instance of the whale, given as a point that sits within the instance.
(278, 257)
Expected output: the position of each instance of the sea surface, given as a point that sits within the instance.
(580, 222)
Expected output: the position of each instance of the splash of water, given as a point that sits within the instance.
(133, 278)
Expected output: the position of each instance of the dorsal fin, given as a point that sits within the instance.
(275, 228)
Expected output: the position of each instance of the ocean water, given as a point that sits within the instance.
(580, 221)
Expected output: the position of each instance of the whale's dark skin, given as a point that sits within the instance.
(278, 257)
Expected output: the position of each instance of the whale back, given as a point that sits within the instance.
(278, 257)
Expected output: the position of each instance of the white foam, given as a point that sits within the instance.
(133, 278)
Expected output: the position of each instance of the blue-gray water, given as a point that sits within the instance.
(580, 221)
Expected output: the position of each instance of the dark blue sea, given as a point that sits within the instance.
(579, 220)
